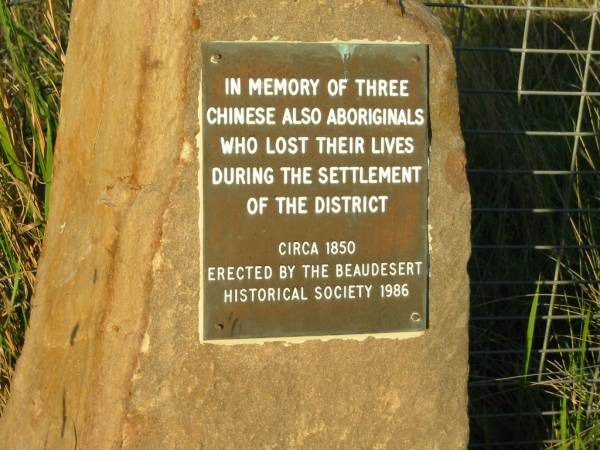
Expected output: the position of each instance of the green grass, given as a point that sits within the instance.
(32, 51)
(533, 314)
(33, 38)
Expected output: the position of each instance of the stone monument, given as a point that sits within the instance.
(258, 235)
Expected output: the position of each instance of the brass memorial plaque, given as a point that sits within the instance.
(314, 178)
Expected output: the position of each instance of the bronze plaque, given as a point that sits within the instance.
(314, 178)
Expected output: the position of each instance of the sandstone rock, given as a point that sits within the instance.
(112, 357)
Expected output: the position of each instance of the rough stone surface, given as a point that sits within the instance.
(112, 358)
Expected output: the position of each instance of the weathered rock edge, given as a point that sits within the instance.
(112, 357)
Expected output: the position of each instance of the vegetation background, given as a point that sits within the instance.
(535, 326)
(33, 41)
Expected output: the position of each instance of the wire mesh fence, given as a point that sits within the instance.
(529, 85)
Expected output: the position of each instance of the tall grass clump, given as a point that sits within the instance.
(33, 39)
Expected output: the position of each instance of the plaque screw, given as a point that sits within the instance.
(219, 326)
(215, 58)
(415, 317)
(415, 59)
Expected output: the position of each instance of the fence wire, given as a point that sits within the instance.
(529, 84)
